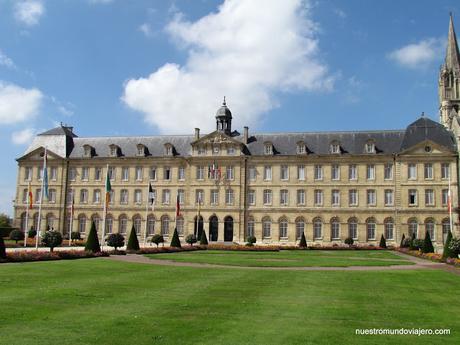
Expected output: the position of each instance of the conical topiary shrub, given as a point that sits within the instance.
(92, 242)
(133, 243)
(203, 238)
(427, 244)
(401, 244)
(175, 242)
(447, 253)
(303, 241)
(2, 248)
(383, 242)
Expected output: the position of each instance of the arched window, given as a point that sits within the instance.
(283, 228)
(109, 224)
(335, 229)
(50, 221)
(82, 224)
(250, 228)
(429, 226)
(413, 227)
(299, 227)
(266, 227)
(96, 219)
(23, 222)
(389, 228)
(122, 224)
(35, 221)
(445, 229)
(353, 228)
(137, 223)
(165, 225)
(370, 228)
(180, 226)
(317, 228)
(150, 225)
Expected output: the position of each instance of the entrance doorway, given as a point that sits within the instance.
(213, 228)
(198, 227)
(228, 229)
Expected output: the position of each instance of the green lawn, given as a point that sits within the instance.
(294, 258)
(97, 301)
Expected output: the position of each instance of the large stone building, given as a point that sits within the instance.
(330, 185)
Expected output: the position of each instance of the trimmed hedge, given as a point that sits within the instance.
(26, 256)
(447, 253)
(203, 239)
(133, 242)
(303, 241)
(175, 242)
(92, 242)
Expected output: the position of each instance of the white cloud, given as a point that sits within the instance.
(100, 1)
(18, 104)
(146, 29)
(6, 61)
(418, 55)
(247, 51)
(340, 13)
(23, 137)
(29, 12)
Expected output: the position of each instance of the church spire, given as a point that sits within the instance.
(452, 53)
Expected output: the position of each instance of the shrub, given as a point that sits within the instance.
(401, 244)
(52, 239)
(92, 242)
(116, 240)
(406, 243)
(191, 239)
(250, 241)
(416, 244)
(454, 247)
(349, 241)
(2, 248)
(427, 246)
(175, 242)
(303, 241)
(31, 233)
(447, 253)
(16, 235)
(157, 239)
(133, 243)
(203, 238)
(75, 235)
(383, 242)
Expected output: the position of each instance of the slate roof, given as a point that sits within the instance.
(61, 130)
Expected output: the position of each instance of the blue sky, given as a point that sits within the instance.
(113, 67)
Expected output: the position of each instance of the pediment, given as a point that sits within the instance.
(37, 155)
(426, 147)
(216, 137)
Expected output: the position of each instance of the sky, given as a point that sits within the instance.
(116, 67)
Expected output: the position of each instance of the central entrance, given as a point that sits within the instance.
(198, 227)
(228, 229)
(213, 228)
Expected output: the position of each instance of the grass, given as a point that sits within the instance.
(295, 258)
(97, 301)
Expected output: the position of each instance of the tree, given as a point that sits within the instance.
(52, 239)
(92, 242)
(116, 241)
(303, 241)
(191, 239)
(349, 241)
(133, 243)
(32, 232)
(447, 253)
(175, 242)
(2, 248)
(383, 242)
(16, 235)
(5, 221)
(427, 244)
(454, 247)
(75, 235)
(401, 244)
(203, 238)
(250, 240)
(157, 239)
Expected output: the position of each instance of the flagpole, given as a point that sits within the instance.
(41, 202)
(26, 225)
(450, 208)
(105, 211)
(146, 215)
(71, 223)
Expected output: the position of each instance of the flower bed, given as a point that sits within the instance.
(31, 243)
(26, 256)
(453, 261)
(419, 254)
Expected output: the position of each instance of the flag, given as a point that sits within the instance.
(45, 176)
(177, 205)
(151, 196)
(108, 188)
(30, 196)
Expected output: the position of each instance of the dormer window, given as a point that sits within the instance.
(369, 147)
(141, 150)
(268, 148)
(335, 147)
(88, 150)
(169, 150)
(114, 150)
(301, 148)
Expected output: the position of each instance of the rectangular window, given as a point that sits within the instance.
(412, 197)
(445, 170)
(96, 196)
(370, 175)
(166, 197)
(200, 172)
(39, 173)
(284, 173)
(124, 196)
(352, 172)
(335, 172)
(83, 196)
(181, 195)
(97, 174)
(214, 197)
(72, 174)
(27, 174)
(388, 171)
(301, 172)
(167, 173)
(25, 195)
(371, 199)
(52, 196)
(353, 197)
(389, 200)
(199, 197)
(284, 197)
(252, 173)
(230, 150)
(84, 174)
(153, 173)
(252, 197)
(181, 174)
(138, 196)
(38, 195)
(229, 196)
(267, 197)
(229, 173)
(300, 197)
(125, 174)
(318, 197)
(412, 171)
(428, 171)
(267, 173)
(53, 173)
(445, 197)
(318, 172)
(429, 197)
(139, 174)
(112, 173)
(335, 197)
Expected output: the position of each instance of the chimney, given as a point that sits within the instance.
(246, 134)
(197, 133)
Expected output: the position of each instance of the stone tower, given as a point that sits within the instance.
(449, 84)
(224, 119)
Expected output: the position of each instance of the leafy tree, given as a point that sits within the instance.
(75, 235)
(349, 241)
(401, 244)
(157, 239)
(2, 248)
(383, 242)
(303, 241)
(175, 242)
(116, 240)
(447, 253)
(52, 239)
(250, 240)
(32, 232)
(133, 242)
(454, 247)
(92, 242)
(427, 244)
(203, 238)
(16, 235)
(191, 239)
(5, 221)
